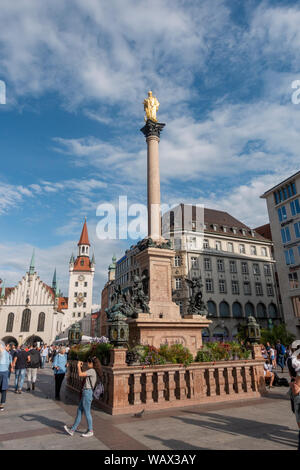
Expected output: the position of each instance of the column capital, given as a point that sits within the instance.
(152, 129)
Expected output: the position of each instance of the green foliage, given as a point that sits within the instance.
(81, 352)
(215, 351)
(176, 354)
(152, 357)
(278, 332)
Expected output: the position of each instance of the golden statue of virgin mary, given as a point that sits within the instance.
(151, 106)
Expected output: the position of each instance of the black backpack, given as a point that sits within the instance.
(35, 359)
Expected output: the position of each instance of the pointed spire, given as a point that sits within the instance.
(84, 238)
(3, 290)
(31, 268)
(93, 259)
(57, 291)
(54, 280)
(72, 259)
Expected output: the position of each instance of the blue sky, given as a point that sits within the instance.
(76, 75)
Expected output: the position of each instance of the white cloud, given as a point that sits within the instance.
(109, 51)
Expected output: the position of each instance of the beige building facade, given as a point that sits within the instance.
(30, 311)
(234, 263)
(283, 203)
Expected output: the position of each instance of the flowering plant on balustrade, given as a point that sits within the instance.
(152, 357)
(102, 339)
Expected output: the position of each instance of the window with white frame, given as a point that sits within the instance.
(293, 281)
(194, 262)
(222, 286)
(205, 244)
(247, 288)
(258, 288)
(178, 283)
(267, 270)
(207, 264)
(232, 266)
(242, 249)
(218, 245)
(177, 261)
(270, 290)
(209, 283)
(230, 247)
(193, 243)
(235, 287)
(256, 269)
(220, 265)
(264, 251)
(245, 269)
(253, 250)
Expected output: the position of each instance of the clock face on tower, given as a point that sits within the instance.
(81, 277)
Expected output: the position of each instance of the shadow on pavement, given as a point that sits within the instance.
(173, 444)
(50, 423)
(244, 427)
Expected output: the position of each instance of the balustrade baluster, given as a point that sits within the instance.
(137, 389)
(222, 389)
(160, 387)
(149, 387)
(171, 385)
(212, 382)
(230, 380)
(182, 385)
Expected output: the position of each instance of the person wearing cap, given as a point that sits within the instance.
(295, 388)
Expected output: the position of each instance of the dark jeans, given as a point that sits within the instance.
(280, 360)
(58, 382)
(3, 397)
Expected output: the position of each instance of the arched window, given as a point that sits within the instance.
(249, 309)
(237, 310)
(212, 308)
(41, 322)
(25, 324)
(10, 322)
(220, 333)
(261, 310)
(273, 311)
(205, 335)
(224, 309)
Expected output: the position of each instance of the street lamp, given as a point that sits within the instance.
(253, 330)
(74, 334)
(118, 330)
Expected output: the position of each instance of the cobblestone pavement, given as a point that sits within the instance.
(33, 420)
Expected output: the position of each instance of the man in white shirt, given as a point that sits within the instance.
(44, 355)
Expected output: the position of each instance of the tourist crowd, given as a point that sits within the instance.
(30, 359)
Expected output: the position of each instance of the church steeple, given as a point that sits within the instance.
(2, 290)
(84, 243)
(31, 268)
(54, 283)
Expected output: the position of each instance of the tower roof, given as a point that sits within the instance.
(31, 268)
(84, 238)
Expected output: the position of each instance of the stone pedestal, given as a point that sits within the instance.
(256, 352)
(164, 324)
(187, 332)
(117, 357)
(157, 263)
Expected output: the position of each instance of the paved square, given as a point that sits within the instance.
(33, 420)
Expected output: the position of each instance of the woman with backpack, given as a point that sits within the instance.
(89, 382)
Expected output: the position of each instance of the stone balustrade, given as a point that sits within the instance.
(130, 389)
